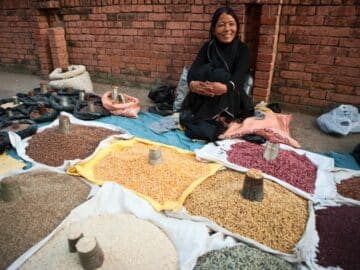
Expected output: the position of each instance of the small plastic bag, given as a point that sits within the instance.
(342, 120)
(182, 90)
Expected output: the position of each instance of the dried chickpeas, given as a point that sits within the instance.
(162, 182)
(278, 221)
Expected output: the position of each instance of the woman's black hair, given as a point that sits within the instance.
(215, 18)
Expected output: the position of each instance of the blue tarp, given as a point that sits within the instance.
(140, 127)
(343, 160)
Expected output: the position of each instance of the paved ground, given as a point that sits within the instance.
(303, 127)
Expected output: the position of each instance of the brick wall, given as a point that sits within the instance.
(318, 56)
(136, 41)
(16, 40)
(304, 53)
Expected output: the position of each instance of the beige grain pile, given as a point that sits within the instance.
(126, 241)
(162, 182)
(47, 198)
(277, 222)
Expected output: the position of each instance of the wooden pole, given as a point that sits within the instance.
(10, 190)
(90, 254)
(253, 188)
(64, 124)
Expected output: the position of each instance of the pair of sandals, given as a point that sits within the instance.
(163, 109)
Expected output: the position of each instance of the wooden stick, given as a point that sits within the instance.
(74, 235)
(90, 254)
(155, 156)
(64, 124)
(10, 190)
(253, 188)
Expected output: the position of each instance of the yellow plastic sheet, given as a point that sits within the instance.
(141, 177)
(7, 163)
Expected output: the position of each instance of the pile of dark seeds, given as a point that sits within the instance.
(46, 199)
(52, 147)
(241, 257)
(350, 188)
(339, 232)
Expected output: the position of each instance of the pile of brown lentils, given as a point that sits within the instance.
(52, 147)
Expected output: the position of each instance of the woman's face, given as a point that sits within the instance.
(225, 28)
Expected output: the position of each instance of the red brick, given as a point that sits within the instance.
(197, 9)
(318, 85)
(321, 69)
(347, 99)
(261, 83)
(336, 11)
(295, 75)
(263, 66)
(345, 89)
(302, 58)
(350, 42)
(294, 91)
(347, 61)
(291, 99)
(305, 49)
(296, 66)
(268, 20)
(318, 94)
(288, 10)
(314, 102)
(267, 58)
(305, 10)
(263, 92)
(324, 59)
(306, 20)
(178, 25)
(262, 75)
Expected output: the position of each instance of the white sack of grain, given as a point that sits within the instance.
(77, 78)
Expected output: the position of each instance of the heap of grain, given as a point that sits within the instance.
(52, 146)
(350, 188)
(241, 257)
(126, 242)
(278, 221)
(43, 201)
(288, 166)
(339, 244)
(162, 182)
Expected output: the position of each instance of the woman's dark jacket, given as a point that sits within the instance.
(218, 62)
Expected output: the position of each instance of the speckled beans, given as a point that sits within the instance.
(350, 188)
(241, 257)
(165, 181)
(339, 233)
(52, 147)
(277, 222)
(288, 166)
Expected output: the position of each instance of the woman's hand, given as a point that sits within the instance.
(218, 89)
(210, 89)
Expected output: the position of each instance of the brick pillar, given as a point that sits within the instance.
(58, 47)
(40, 35)
(268, 39)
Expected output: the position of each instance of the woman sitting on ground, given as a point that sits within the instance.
(216, 80)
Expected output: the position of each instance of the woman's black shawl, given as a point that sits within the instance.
(217, 62)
